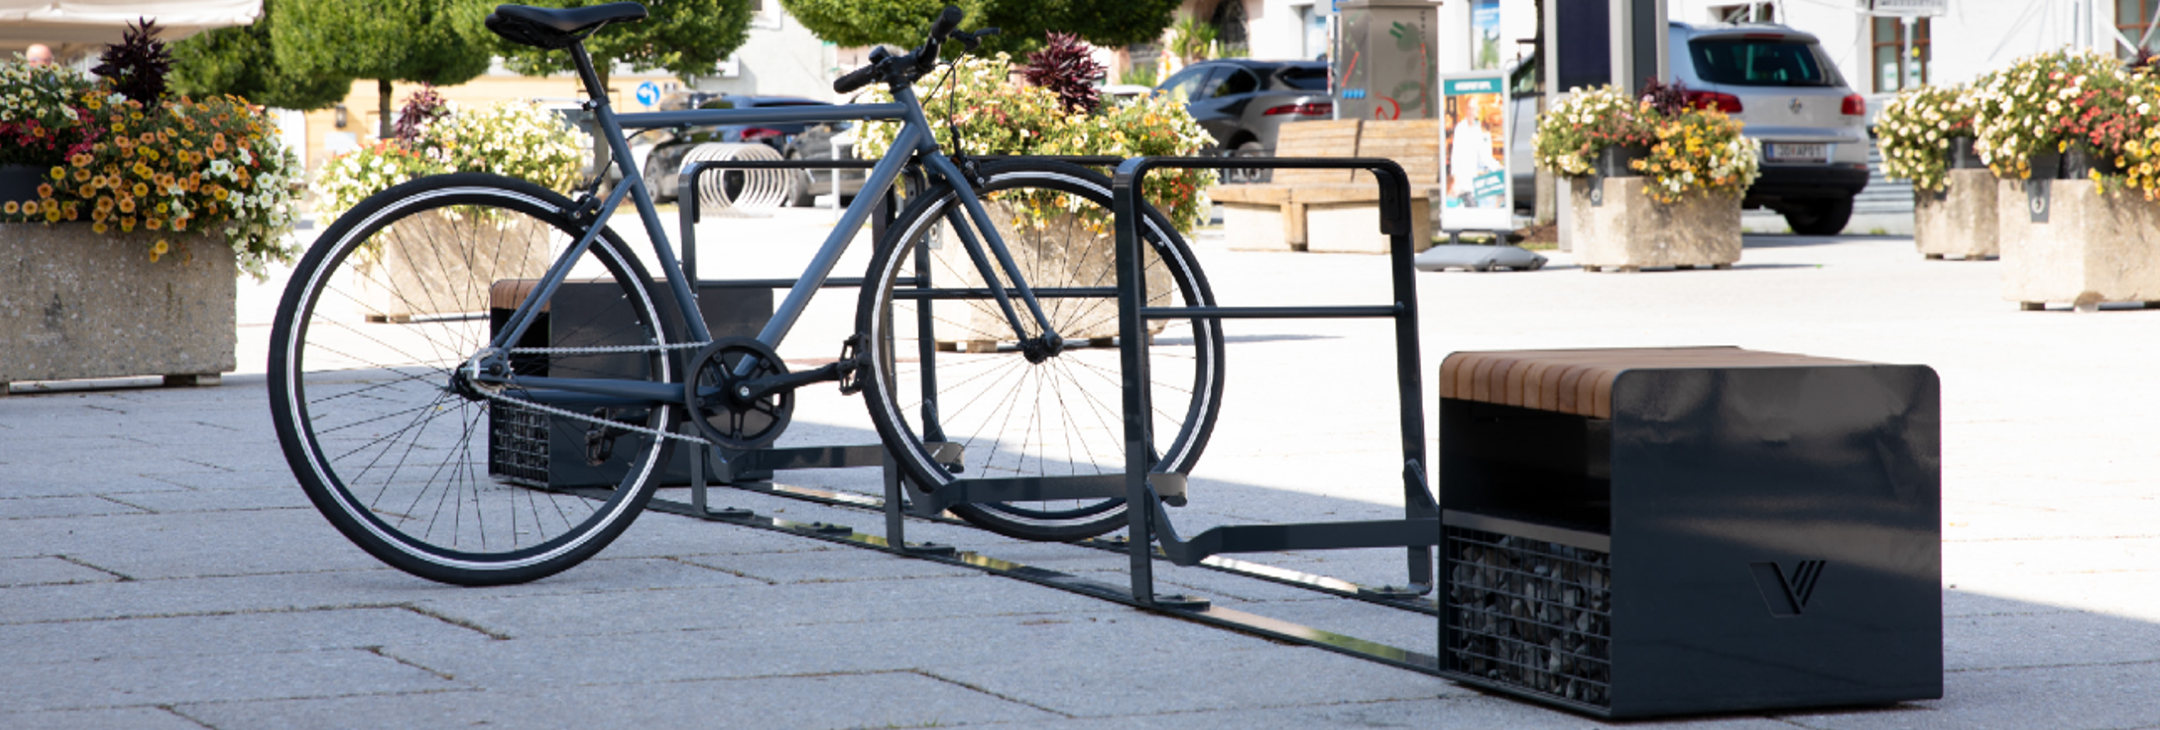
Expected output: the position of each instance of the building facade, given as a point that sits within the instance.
(1967, 38)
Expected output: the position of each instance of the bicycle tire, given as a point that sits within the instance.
(1074, 420)
(386, 444)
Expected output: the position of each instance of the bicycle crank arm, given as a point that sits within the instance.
(758, 388)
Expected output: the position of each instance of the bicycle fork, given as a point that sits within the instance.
(1037, 349)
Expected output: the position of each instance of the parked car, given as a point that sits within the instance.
(1243, 102)
(822, 142)
(1783, 87)
(660, 151)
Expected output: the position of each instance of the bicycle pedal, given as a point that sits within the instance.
(850, 363)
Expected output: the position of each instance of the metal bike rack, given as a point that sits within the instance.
(1417, 533)
(741, 467)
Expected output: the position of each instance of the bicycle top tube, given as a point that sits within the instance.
(785, 114)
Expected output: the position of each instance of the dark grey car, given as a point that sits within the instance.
(1243, 102)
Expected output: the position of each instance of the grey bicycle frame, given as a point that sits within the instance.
(913, 140)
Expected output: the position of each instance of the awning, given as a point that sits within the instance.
(79, 26)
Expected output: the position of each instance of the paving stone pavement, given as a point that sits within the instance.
(159, 568)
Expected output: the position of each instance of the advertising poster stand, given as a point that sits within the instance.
(1476, 194)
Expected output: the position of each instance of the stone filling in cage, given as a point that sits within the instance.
(1532, 614)
(518, 445)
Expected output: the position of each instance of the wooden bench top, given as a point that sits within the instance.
(1327, 138)
(1414, 144)
(1579, 382)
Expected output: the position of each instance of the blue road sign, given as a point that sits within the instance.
(648, 93)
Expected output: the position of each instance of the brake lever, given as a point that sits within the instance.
(973, 40)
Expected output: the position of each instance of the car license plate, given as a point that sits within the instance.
(1798, 152)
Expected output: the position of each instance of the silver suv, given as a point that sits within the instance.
(1780, 84)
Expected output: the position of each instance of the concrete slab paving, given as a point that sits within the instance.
(881, 699)
(159, 568)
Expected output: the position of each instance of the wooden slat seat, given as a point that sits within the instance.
(1579, 382)
(1277, 215)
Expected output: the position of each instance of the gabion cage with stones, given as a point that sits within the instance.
(1532, 614)
(518, 444)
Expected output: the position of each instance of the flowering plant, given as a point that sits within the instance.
(1572, 133)
(2034, 106)
(175, 166)
(1699, 150)
(514, 139)
(41, 123)
(995, 116)
(349, 178)
(1915, 131)
(1692, 149)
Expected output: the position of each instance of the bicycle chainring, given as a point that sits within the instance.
(713, 400)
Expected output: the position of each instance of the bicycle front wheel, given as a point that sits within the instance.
(950, 370)
(439, 474)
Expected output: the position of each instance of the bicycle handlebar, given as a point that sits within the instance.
(946, 22)
(908, 67)
(855, 79)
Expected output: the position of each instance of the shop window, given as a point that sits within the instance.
(2134, 19)
(1744, 13)
(1892, 69)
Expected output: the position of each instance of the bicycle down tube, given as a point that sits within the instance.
(913, 136)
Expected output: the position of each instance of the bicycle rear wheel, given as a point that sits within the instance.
(949, 371)
(429, 471)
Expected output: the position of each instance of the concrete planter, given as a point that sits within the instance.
(1615, 226)
(1959, 220)
(2065, 242)
(1063, 252)
(78, 304)
(435, 264)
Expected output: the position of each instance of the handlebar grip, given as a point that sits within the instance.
(855, 79)
(946, 22)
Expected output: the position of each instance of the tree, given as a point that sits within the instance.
(683, 37)
(417, 41)
(1022, 24)
(240, 61)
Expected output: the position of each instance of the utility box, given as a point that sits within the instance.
(1636, 533)
(1383, 60)
(534, 449)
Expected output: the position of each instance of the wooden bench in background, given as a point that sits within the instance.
(1334, 210)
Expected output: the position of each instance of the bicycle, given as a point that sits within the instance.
(388, 392)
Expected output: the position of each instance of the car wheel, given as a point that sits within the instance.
(660, 193)
(1819, 217)
(1248, 148)
(799, 194)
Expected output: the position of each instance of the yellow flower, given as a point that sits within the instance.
(10, 207)
(59, 173)
(98, 227)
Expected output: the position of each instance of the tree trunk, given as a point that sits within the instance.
(382, 92)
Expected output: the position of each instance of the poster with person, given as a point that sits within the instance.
(1474, 150)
